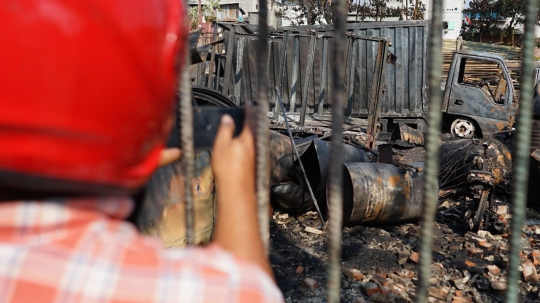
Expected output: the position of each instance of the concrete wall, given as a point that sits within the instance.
(452, 13)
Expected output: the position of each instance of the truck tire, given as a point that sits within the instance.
(462, 128)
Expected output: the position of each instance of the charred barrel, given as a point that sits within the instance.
(316, 161)
(381, 193)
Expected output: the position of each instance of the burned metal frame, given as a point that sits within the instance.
(301, 80)
(430, 198)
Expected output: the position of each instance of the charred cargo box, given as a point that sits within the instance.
(301, 61)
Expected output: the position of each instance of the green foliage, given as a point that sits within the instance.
(192, 13)
(487, 14)
(379, 9)
(207, 11)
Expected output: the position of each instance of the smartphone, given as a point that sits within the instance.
(206, 121)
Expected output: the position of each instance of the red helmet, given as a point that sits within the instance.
(86, 90)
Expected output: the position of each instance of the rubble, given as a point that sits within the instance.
(529, 272)
(380, 263)
(310, 283)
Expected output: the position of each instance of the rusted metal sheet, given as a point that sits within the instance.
(406, 136)
(162, 212)
(316, 162)
(381, 193)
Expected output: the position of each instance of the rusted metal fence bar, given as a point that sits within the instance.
(521, 152)
(262, 138)
(324, 84)
(186, 140)
(282, 68)
(431, 194)
(238, 73)
(228, 85)
(335, 195)
(309, 75)
(210, 79)
(295, 71)
(376, 94)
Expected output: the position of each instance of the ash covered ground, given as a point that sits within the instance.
(380, 263)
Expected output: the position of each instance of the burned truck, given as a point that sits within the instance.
(479, 95)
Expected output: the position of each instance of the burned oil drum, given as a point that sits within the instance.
(459, 157)
(162, 212)
(381, 193)
(316, 162)
(281, 155)
(291, 197)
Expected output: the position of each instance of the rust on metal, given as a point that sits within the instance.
(163, 206)
(281, 156)
(460, 157)
(381, 193)
(406, 135)
(475, 169)
(316, 161)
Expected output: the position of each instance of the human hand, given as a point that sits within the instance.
(233, 159)
(169, 156)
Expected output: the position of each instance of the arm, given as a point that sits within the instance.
(233, 162)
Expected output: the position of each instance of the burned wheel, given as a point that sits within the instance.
(462, 128)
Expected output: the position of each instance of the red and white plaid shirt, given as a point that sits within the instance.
(82, 251)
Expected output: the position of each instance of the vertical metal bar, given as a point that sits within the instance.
(218, 69)
(197, 75)
(296, 62)
(374, 106)
(522, 151)
(322, 93)
(335, 195)
(309, 74)
(431, 186)
(350, 76)
(229, 53)
(210, 79)
(262, 138)
(238, 76)
(186, 139)
(282, 69)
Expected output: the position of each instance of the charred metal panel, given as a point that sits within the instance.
(407, 136)
(403, 83)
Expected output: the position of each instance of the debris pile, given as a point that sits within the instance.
(470, 256)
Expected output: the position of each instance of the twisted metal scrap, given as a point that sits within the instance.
(186, 140)
(335, 195)
(432, 152)
(262, 137)
(521, 160)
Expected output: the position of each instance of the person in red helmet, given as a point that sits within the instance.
(87, 90)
